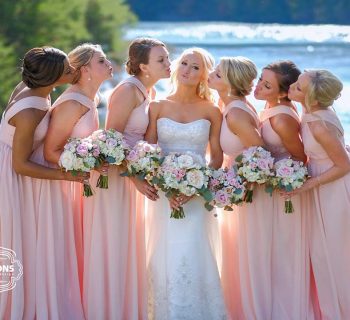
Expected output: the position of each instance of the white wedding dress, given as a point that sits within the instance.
(183, 276)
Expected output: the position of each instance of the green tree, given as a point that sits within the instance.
(9, 75)
(63, 24)
(105, 21)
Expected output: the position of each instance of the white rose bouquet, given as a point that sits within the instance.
(254, 165)
(79, 155)
(227, 189)
(289, 175)
(183, 174)
(112, 149)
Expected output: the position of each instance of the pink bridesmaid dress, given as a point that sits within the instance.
(290, 267)
(18, 217)
(246, 238)
(114, 248)
(73, 191)
(328, 224)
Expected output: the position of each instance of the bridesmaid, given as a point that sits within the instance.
(245, 271)
(22, 130)
(327, 190)
(74, 114)
(114, 245)
(289, 256)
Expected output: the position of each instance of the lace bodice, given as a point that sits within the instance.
(176, 136)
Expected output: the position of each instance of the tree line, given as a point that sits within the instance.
(251, 11)
(63, 24)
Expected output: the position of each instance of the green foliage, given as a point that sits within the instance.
(63, 24)
(9, 75)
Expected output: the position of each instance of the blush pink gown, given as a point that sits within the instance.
(73, 191)
(17, 214)
(329, 224)
(290, 262)
(114, 248)
(246, 238)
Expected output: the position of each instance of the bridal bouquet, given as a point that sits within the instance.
(143, 161)
(111, 149)
(289, 175)
(227, 189)
(254, 165)
(183, 174)
(79, 155)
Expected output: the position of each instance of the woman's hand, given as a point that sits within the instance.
(103, 168)
(81, 177)
(179, 201)
(308, 185)
(145, 188)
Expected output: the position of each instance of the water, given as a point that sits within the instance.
(312, 46)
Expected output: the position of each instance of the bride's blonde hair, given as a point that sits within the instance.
(203, 90)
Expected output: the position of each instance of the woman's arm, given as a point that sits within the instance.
(243, 125)
(327, 137)
(153, 113)
(26, 123)
(216, 155)
(121, 104)
(288, 130)
(63, 119)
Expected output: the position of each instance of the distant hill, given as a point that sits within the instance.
(264, 11)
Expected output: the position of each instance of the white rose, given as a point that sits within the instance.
(195, 178)
(67, 160)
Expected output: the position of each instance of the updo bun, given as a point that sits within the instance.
(42, 66)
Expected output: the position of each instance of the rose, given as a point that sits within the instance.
(67, 160)
(82, 150)
(111, 143)
(284, 171)
(221, 197)
(263, 164)
(195, 178)
(132, 156)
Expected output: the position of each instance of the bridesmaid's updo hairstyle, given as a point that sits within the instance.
(287, 73)
(81, 56)
(139, 51)
(239, 73)
(42, 66)
(323, 89)
(203, 90)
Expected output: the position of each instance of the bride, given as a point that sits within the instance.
(183, 277)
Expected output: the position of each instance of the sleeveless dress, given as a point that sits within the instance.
(18, 217)
(328, 224)
(246, 239)
(114, 244)
(183, 278)
(290, 267)
(73, 191)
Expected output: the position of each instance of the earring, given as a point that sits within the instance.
(147, 76)
(278, 101)
(89, 79)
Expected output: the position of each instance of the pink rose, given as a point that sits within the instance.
(82, 150)
(132, 156)
(221, 197)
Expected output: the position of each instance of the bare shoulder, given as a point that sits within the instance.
(126, 92)
(71, 108)
(237, 116)
(211, 108)
(28, 118)
(282, 123)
